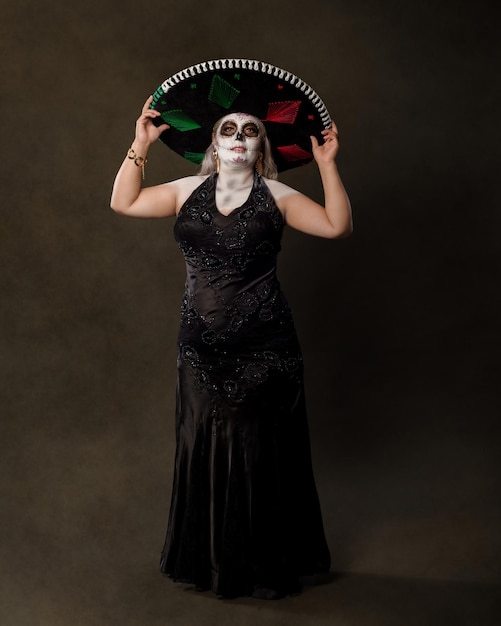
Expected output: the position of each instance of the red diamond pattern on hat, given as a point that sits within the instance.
(284, 112)
(294, 153)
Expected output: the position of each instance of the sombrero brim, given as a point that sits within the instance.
(192, 101)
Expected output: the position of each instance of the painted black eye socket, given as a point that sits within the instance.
(249, 130)
(228, 130)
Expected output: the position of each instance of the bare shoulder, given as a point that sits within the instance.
(184, 187)
(279, 190)
(187, 183)
(282, 194)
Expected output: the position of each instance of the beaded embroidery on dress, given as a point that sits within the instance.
(244, 510)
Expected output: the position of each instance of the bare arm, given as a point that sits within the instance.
(128, 197)
(334, 220)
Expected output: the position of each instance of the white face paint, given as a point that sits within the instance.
(238, 141)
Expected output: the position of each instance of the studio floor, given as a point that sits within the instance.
(142, 597)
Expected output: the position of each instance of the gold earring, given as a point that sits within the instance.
(259, 164)
(216, 159)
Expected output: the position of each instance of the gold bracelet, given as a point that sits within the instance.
(138, 160)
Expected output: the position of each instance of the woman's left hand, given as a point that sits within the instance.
(326, 152)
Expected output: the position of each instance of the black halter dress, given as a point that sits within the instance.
(244, 510)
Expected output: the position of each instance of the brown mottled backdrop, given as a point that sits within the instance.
(399, 323)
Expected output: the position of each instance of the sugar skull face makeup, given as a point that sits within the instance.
(238, 139)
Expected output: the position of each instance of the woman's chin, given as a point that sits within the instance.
(239, 164)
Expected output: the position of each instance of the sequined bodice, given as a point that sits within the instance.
(233, 309)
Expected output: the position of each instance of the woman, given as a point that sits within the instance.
(245, 517)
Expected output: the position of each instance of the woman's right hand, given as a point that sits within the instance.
(146, 132)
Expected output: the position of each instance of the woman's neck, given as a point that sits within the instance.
(233, 188)
(235, 179)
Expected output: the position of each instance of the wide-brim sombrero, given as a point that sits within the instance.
(192, 100)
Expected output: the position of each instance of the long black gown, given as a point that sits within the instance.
(244, 511)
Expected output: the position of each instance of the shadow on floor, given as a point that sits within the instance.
(113, 596)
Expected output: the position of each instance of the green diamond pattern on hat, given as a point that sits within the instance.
(179, 120)
(194, 157)
(222, 93)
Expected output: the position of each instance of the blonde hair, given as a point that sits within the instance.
(208, 165)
